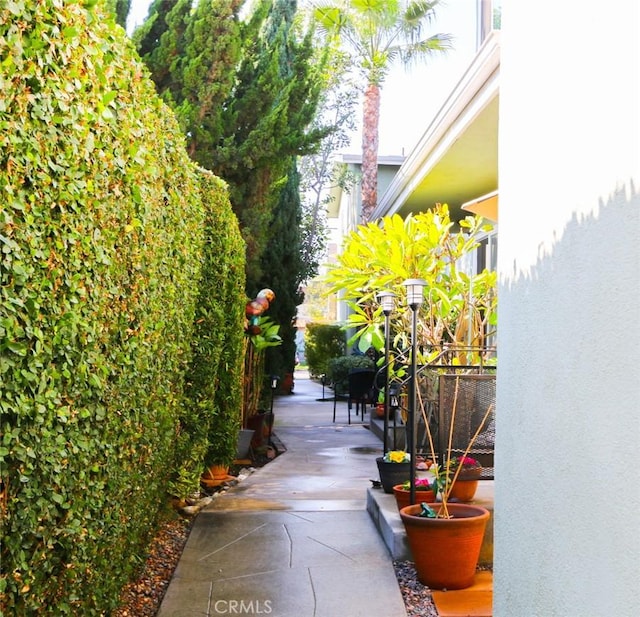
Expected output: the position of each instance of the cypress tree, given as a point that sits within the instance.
(281, 271)
(120, 8)
(160, 41)
(245, 94)
(266, 121)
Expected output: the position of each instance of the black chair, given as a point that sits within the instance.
(361, 391)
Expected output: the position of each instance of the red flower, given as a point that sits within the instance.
(465, 461)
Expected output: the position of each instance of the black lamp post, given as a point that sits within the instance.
(274, 386)
(415, 289)
(387, 300)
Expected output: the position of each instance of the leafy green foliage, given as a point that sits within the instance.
(459, 308)
(211, 417)
(323, 342)
(101, 237)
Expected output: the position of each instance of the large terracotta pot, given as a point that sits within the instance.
(392, 473)
(446, 551)
(403, 495)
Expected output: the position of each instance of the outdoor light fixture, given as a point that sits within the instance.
(415, 288)
(394, 396)
(387, 300)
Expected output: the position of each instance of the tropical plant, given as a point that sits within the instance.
(266, 336)
(378, 33)
(460, 309)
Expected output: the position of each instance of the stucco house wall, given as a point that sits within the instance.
(567, 494)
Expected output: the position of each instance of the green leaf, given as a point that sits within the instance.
(17, 348)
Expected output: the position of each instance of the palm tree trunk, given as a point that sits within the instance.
(370, 120)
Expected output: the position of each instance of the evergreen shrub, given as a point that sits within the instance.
(101, 238)
(323, 342)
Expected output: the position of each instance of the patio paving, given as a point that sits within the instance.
(295, 538)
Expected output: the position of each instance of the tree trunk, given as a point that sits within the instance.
(370, 120)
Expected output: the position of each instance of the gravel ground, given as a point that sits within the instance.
(416, 596)
(142, 597)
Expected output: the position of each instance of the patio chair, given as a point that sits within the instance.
(361, 391)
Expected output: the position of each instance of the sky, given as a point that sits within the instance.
(410, 98)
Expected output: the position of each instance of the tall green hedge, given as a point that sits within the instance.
(102, 232)
(211, 417)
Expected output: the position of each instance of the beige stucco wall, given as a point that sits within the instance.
(567, 511)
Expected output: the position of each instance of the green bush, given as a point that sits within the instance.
(211, 416)
(323, 342)
(102, 229)
(339, 370)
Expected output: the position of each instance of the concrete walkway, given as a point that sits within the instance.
(294, 539)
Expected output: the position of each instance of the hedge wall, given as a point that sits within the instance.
(102, 232)
(212, 415)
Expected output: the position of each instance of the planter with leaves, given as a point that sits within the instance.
(394, 468)
(425, 492)
(467, 472)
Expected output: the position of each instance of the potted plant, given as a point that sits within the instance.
(426, 491)
(465, 472)
(394, 468)
(445, 538)
(219, 457)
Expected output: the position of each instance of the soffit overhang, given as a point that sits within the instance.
(456, 160)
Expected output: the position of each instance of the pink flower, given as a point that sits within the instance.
(421, 484)
(466, 461)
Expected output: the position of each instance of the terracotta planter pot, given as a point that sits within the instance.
(446, 551)
(463, 490)
(215, 475)
(470, 473)
(466, 485)
(403, 495)
(392, 473)
(217, 472)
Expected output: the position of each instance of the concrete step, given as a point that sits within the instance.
(384, 513)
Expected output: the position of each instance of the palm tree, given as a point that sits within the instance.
(378, 33)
